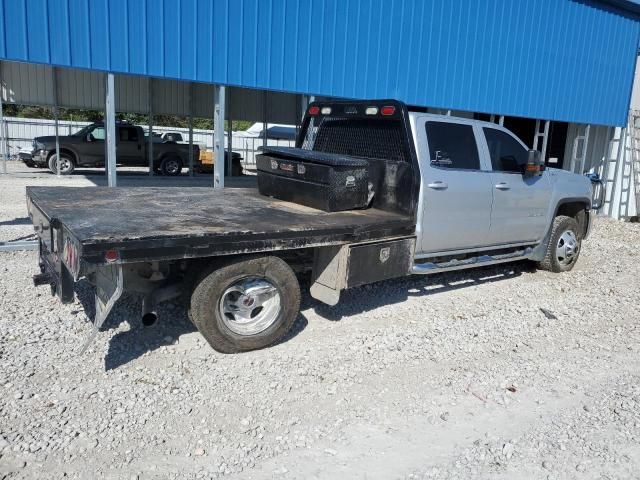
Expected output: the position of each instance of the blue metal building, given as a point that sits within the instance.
(566, 60)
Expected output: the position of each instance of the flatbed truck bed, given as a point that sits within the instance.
(156, 223)
(346, 217)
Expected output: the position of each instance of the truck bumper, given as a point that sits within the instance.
(54, 273)
(39, 157)
(59, 255)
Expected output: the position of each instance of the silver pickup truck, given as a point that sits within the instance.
(372, 191)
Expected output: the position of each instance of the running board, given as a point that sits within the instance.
(482, 260)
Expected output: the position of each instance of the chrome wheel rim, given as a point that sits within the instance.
(567, 248)
(172, 166)
(64, 164)
(250, 306)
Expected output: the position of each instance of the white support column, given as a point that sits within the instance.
(6, 140)
(230, 148)
(4, 146)
(264, 118)
(150, 138)
(190, 129)
(501, 120)
(3, 137)
(56, 123)
(110, 121)
(219, 93)
(54, 75)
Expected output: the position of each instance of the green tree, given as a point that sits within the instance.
(177, 121)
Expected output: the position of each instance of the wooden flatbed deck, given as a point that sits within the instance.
(157, 223)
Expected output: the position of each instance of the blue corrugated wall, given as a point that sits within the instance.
(569, 60)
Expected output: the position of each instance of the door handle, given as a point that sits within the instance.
(437, 185)
(503, 186)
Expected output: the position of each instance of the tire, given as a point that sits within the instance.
(564, 245)
(171, 166)
(67, 165)
(232, 321)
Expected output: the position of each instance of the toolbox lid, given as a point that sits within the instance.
(313, 156)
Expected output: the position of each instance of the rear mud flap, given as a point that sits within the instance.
(109, 286)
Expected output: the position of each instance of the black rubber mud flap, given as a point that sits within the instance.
(109, 286)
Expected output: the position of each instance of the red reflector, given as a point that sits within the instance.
(388, 110)
(111, 256)
(314, 110)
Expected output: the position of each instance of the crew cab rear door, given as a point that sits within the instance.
(129, 146)
(456, 188)
(520, 204)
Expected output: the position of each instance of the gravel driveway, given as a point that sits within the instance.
(496, 373)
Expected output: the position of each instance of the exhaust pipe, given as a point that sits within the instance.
(152, 299)
(149, 314)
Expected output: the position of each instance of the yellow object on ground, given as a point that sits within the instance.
(206, 157)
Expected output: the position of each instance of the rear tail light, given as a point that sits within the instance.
(388, 110)
(313, 110)
(111, 256)
(371, 111)
(326, 110)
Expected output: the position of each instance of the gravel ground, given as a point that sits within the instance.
(495, 373)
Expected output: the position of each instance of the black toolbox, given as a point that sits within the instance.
(325, 181)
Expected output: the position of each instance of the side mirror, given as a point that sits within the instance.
(89, 137)
(535, 164)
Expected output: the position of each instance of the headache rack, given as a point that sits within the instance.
(360, 129)
(376, 130)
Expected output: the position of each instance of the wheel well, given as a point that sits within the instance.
(168, 156)
(64, 151)
(576, 210)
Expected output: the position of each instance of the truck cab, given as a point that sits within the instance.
(476, 193)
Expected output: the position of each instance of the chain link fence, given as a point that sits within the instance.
(20, 133)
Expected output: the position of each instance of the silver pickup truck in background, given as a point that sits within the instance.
(372, 191)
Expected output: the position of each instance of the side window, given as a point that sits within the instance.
(128, 134)
(452, 145)
(97, 133)
(507, 155)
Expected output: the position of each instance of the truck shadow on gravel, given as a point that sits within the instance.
(367, 298)
(18, 221)
(173, 322)
(125, 346)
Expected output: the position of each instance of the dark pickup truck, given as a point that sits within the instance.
(372, 191)
(86, 148)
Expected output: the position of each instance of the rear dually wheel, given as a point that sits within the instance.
(246, 304)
